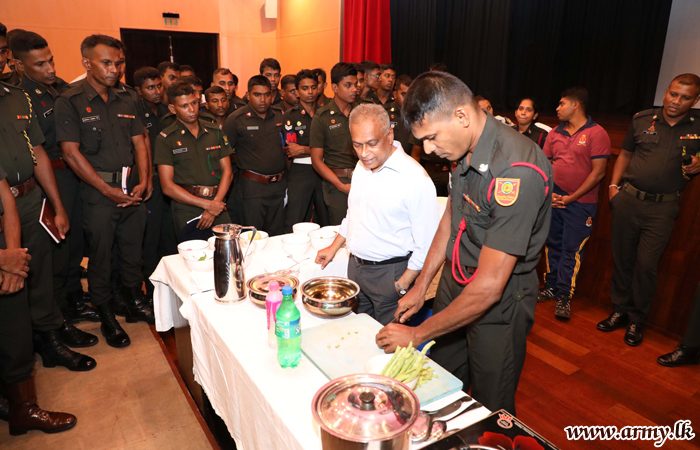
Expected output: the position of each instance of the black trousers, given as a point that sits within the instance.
(336, 201)
(304, 197)
(45, 313)
(16, 349)
(234, 200)
(691, 338)
(263, 205)
(488, 355)
(641, 231)
(159, 239)
(68, 254)
(378, 296)
(105, 225)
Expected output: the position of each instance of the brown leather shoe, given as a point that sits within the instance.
(25, 414)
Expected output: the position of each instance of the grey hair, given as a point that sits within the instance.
(374, 112)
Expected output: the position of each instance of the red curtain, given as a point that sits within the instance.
(367, 31)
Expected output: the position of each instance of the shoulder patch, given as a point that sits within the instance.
(507, 190)
(163, 134)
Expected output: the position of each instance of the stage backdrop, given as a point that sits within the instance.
(508, 49)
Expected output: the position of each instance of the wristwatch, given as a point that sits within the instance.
(399, 289)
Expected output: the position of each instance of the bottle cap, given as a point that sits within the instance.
(287, 290)
(273, 286)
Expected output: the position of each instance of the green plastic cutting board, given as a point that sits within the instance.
(342, 347)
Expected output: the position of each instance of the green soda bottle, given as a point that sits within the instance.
(288, 330)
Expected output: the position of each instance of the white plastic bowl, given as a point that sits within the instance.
(322, 238)
(296, 244)
(192, 249)
(212, 243)
(305, 227)
(376, 364)
(258, 244)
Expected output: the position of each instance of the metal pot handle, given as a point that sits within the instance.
(250, 243)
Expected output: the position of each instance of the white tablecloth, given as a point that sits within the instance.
(264, 406)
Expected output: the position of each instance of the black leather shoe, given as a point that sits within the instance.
(117, 303)
(137, 306)
(4, 409)
(613, 322)
(113, 332)
(74, 337)
(634, 335)
(681, 356)
(55, 353)
(77, 310)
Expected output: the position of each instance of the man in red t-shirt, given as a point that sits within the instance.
(579, 150)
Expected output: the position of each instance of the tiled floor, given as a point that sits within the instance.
(131, 400)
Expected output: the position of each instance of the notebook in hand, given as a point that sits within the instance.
(47, 220)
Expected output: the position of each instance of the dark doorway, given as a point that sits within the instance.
(151, 47)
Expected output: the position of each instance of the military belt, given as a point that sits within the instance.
(23, 189)
(260, 178)
(111, 177)
(58, 164)
(200, 191)
(343, 173)
(649, 197)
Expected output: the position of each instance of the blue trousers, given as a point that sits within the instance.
(570, 229)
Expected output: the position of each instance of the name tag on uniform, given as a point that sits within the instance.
(212, 148)
(48, 113)
(253, 128)
(303, 127)
(337, 125)
(650, 132)
(91, 119)
(179, 150)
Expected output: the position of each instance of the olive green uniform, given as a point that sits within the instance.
(68, 254)
(402, 133)
(488, 354)
(16, 350)
(170, 118)
(195, 161)
(330, 130)
(10, 77)
(20, 131)
(104, 131)
(159, 239)
(235, 103)
(258, 146)
(645, 209)
(305, 188)
(372, 97)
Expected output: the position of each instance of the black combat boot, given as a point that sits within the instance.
(55, 353)
(137, 306)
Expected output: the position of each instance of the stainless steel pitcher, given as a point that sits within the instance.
(229, 276)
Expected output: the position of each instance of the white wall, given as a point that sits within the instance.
(682, 47)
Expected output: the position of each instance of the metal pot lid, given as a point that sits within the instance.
(365, 407)
(260, 284)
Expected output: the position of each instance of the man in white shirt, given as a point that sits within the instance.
(392, 216)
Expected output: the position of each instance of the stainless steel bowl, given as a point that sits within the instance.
(330, 296)
(258, 286)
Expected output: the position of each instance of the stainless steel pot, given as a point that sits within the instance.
(365, 412)
(259, 286)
